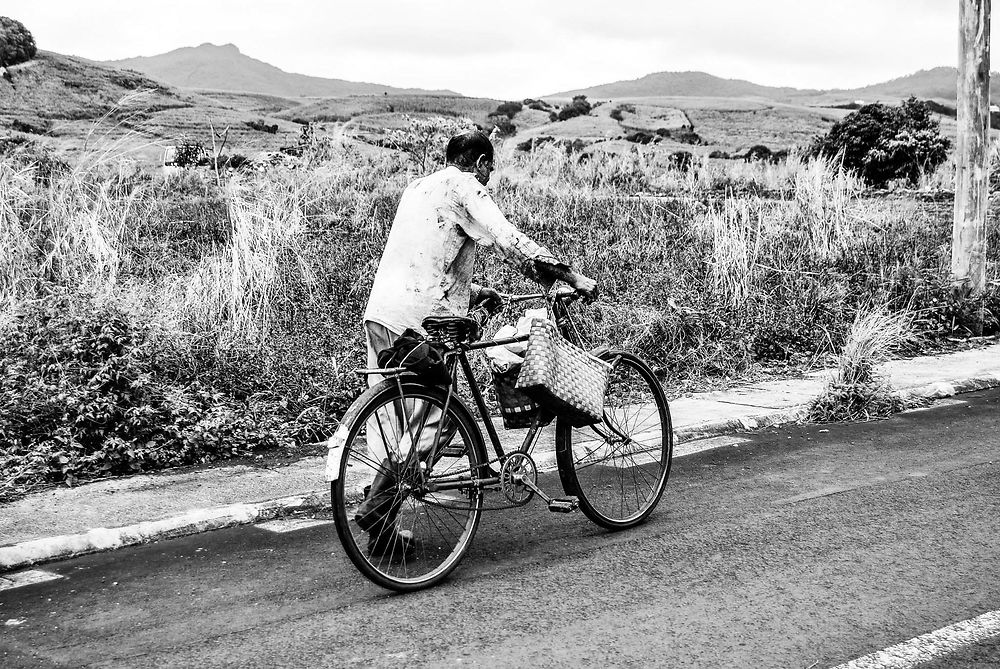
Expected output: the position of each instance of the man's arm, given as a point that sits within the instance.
(488, 226)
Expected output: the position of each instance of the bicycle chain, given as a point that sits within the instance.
(485, 490)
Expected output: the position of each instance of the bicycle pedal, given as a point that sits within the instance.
(564, 504)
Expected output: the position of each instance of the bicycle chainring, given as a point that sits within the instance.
(517, 468)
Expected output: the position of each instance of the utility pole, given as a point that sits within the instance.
(968, 249)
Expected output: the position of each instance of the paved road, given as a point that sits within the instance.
(804, 547)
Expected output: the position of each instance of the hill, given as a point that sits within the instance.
(54, 87)
(225, 68)
(78, 107)
(937, 83)
(683, 84)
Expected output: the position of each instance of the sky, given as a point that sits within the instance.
(522, 48)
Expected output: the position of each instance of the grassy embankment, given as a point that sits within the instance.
(155, 321)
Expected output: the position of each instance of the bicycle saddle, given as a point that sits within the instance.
(451, 330)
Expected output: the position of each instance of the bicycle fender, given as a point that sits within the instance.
(335, 453)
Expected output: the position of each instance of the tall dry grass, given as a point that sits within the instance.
(857, 391)
(234, 292)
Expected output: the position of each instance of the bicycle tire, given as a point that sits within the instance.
(441, 524)
(599, 471)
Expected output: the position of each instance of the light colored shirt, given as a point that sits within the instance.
(426, 268)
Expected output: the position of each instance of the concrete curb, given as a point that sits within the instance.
(48, 549)
(192, 522)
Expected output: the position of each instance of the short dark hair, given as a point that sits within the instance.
(466, 148)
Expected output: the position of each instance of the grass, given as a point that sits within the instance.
(239, 302)
(857, 391)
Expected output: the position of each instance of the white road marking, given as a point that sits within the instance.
(283, 525)
(27, 577)
(931, 646)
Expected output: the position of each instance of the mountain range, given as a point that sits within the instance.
(225, 68)
(937, 83)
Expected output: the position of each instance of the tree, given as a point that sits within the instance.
(16, 43)
(882, 143)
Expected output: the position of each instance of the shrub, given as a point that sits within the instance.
(682, 160)
(508, 109)
(261, 126)
(640, 137)
(578, 107)
(719, 154)
(756, 153)
(882, 143)
(539, 105)
(190, 154)
(503, 126)
(80, 399)
(684, 135)
(616, 114)
(16, 43)
(36, 128)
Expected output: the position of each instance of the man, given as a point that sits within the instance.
(426, 269)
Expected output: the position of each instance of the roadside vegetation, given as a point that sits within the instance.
(157, 320)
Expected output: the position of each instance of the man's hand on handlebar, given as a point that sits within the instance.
(486, 298)
(584, 285)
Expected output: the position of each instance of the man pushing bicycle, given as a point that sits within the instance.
(426, 270)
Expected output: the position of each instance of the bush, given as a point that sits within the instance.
(37, 128)
(503, 126)
(756, 153)
(882, 143)
(539, 105)
(640, 137)
(682, 160)
(190, 154)
(578, 107)
(261, 126)
(16, 43)
(719, 154)
(683, 135)
(79, 399)
(508, 109)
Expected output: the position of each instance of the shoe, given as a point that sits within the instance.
(396, 545)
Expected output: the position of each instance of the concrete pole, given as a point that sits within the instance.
(968, 250)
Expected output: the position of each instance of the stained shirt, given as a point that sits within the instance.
(426, 268)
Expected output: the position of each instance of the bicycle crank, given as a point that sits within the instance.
(518, 480)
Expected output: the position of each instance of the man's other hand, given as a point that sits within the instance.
(488, 298)
(585, 286)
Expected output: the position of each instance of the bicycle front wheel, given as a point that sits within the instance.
(404, 503)
(618, 468)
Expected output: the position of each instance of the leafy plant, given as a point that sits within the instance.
(16, 44)
(883, 143)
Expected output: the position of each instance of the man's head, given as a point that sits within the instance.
(471, 152)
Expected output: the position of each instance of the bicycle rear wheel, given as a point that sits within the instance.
(400, 533)
(618, 468)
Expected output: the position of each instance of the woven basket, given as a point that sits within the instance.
(516, 408)
(563, 378)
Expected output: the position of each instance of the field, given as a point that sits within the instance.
(155, 320)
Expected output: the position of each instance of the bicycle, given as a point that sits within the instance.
(614, 471)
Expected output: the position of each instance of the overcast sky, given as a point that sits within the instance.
(517, 48)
